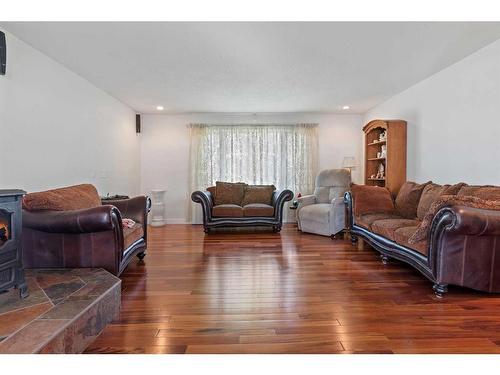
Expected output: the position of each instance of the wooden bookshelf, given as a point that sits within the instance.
(395, 160)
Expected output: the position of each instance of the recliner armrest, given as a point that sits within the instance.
(306, 200)
(95, 219)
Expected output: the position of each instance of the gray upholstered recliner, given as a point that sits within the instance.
(324, 211)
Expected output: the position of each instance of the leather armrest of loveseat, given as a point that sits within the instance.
(89, 220)
(207, 203)
(279, 198)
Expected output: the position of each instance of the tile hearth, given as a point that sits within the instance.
(65, 311)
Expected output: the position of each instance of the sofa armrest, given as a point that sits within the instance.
(349, 204)
(207, 203)
(136, 208)
(280, 197)
(95, 219)
(470, 221)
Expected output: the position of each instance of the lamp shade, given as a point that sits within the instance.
(349, 162)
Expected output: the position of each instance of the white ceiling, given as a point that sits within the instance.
(255, 67)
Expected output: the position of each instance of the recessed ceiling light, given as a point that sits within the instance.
(159, 108)
(345, 107)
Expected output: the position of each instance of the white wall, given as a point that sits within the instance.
(57, 129)
(165, 148)
(453, 121)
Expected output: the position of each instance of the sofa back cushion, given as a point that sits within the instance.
(262, 194)
(229, 192)
(76, 197)
(331, 183)
(371, 199)
(408, 199)
(431, 193)
(487, 192)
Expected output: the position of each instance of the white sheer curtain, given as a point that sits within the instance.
(283, 155)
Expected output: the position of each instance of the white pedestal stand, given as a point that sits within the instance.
(158, 209)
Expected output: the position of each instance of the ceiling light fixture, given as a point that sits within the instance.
(159, 108)
(345, 107)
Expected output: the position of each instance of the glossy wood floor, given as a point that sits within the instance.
(261, 292)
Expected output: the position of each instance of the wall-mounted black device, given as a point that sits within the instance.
(137, 123)
(3, 54)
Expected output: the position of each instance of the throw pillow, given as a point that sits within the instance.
(408, 198)
(229, 192)
(258, 194)
(76, 197)
(423, 229)
(431, 193)
(371, 199)
(487, 192)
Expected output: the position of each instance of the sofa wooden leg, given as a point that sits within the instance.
(440, 289)
(141, 255)
(384, 258)
(354, 239)
(206, 230)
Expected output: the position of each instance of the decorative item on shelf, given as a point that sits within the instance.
(349, 162)
(380, 171)
(379, 155)
(373, 176)
(383, 152)
(383, 136)
(158, 210)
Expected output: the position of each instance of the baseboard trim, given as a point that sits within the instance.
(180, 221)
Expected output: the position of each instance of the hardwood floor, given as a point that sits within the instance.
(262, 292)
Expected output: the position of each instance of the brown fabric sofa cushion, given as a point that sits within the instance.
(408, 199)
(258, 194)
(76, 197)
(371, 199)
(229, 192)
(422, 232)
(130, 235)
(258, 209)
(487, 192)
(402, 235)
(431, 193)
(367, 220)
(387, 227)
(227, 210)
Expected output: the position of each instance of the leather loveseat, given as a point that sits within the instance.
(450, 233)
(71, 228)
(239, 204)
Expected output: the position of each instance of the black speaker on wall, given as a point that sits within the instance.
(3, 53)
(137, 123)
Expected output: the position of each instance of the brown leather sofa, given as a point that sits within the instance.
(451, 234)
(238, 205)
(71, 228)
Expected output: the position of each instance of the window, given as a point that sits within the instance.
(283, 155)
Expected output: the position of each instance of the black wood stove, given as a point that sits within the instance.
(11, 268)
